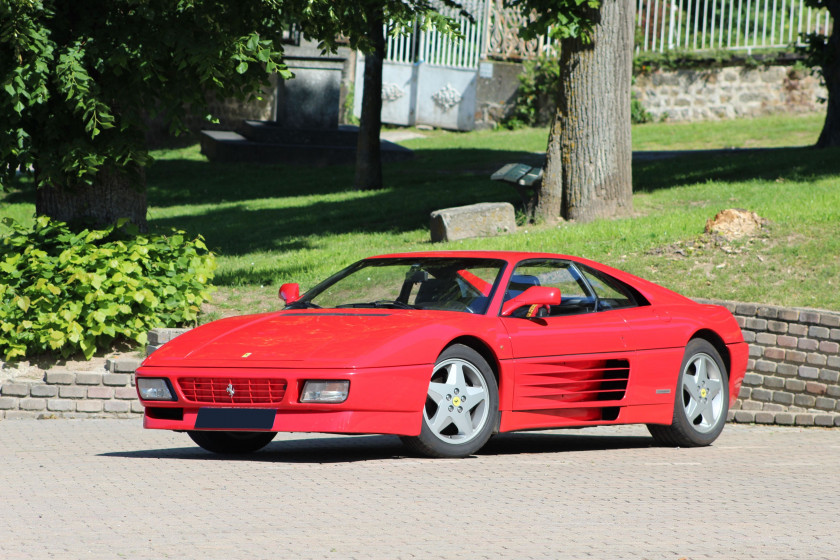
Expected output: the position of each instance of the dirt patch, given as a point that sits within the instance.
(735, 223)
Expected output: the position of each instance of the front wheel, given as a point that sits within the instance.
(702, 399)
(232, 442)
(461, 407)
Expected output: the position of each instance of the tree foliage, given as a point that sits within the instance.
(80, 79)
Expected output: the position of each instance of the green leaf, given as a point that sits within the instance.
(242, 67)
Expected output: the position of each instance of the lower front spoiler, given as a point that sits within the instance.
(329, 421)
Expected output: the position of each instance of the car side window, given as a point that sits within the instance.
(612, 294)
(560, 274)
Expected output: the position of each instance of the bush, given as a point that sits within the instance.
(65, 292)
(536, 97)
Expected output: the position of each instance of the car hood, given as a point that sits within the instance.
(320, 339)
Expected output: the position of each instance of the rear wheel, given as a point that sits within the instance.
(702, 399)
(461, 407)
(232, 442)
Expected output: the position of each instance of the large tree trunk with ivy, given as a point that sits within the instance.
(830, 135)
(588, 173)
(112, 195)
(368, 156)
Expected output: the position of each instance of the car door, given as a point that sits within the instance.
(571, 364)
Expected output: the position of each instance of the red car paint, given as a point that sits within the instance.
(388, 354)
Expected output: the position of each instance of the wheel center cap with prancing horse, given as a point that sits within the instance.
(703, 393)
(456, 401)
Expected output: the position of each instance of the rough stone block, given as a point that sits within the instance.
(765, 367)
(778, 327)
(60, 377)
(43, 391)
(761, 395)
(773, 382)
(32, 404)
(788, 314)
(117, 406)
(753, 379)
(89, 406)
(825, 420)
(88, 378)
(829, 320)
(784, 418)
(745, 416)
(161, 336)
(807, 401)
(807, 372)
(15, 390)
(774, 354)
(476, 220)
(100, 393)
(72, 392)
(797, 330)
(126, 393)
(787, 370)
(795, 385)
(816, 359)
(829, 347)
(765, 417)
(783, 398)
(808, 344)
(818, 332)
(122, 365)
(8, 403)
(766, 339)
(61, 405)
(805, 419)
(829, 375)
(786, 341)
(116, 379)
(824, 403)
(757, 324)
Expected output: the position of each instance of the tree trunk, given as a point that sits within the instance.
(588, 172)
(830, 135)
(114, 194)
(368, 157)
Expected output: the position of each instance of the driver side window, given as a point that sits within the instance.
(560, 274)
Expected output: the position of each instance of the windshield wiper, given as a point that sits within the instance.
(303, 304)
(381, 303)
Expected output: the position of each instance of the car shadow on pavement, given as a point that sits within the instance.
(348, 449)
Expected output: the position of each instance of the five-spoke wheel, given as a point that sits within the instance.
(461, 405)
(702, 399)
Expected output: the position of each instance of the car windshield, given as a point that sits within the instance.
(449, 284)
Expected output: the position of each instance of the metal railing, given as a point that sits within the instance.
(698, 25)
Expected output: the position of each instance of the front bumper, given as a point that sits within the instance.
(381, 400)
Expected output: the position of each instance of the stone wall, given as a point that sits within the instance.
(695, 95)
(793, 374)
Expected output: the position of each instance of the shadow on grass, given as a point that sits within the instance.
(348, 449)
(692, 167)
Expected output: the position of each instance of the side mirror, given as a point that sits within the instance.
(289, 293)
(535, 296)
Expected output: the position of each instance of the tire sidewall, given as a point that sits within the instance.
(700, 346)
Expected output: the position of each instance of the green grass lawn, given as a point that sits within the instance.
(281, 223)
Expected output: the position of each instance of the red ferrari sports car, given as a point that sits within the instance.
(447, 348)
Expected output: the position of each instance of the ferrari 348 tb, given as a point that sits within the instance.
(447, 348)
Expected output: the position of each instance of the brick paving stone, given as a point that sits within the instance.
(72, 392)
(751, 405)
(773, 382)
(787, 370)
(809, 317)
(818, 332)
(767, 312)
(804, 419)
(833, 391)
(7, 403)
(32, 404)
(788, 314)
(21, 415)
(795, 356)
(825, 403)
(825, 420)
(807, 372)
(116, 379)
(808, 344)
(137, 406)
(761, 395)
(765, 367)
(750, 365)
(829, 320)
(756, 324)
(122, 365)
(747, 416)
(61, 405)
(89, 406)
(766, 339)
(745, 392)
(745, 309)
(88, 378)
(753, 379)
(749, 336)
(837, 420)
(805, 400)
(815, 388)
(60, 377)
(15, 389)
(784, 418)
(765, 417)
(117, 406)
(816, 359)
(787, 341)
(125, 393)
(829, 347)
(773, 407)
(782, 397)
(834, 334)
(43, 391)
(834, 362)
(795, 385)
(100, 393)
(778, 327)
(798, 330)
(774, 354)
(756, 351)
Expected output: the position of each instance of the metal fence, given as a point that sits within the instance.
(698, 25)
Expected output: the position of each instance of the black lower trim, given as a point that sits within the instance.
(235, 418)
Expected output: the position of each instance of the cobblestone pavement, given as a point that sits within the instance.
(109, 489)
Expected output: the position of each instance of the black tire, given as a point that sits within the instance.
(461, 408)
(701, 401)
(232, 442)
